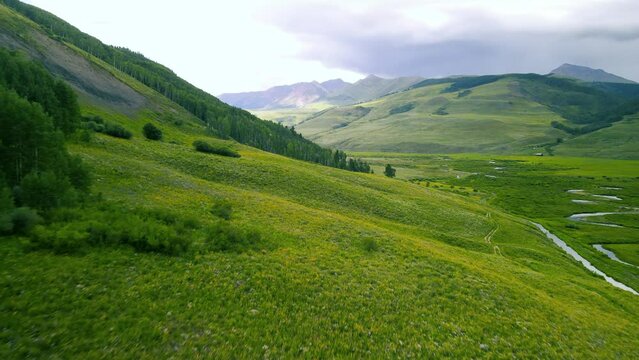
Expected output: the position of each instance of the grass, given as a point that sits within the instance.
(492, 118)
(618, 141)
(355, 265)
(625, 252)
(536, 188)
(325, 263)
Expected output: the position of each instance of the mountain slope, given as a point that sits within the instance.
(587, 74)
(309, 94)
(344, 264)
(371, 88)
(286, 96)
(62, 47)
(518, 113)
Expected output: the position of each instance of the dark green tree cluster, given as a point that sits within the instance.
(221, 119)
(342, 161)
(33, 82)
(389, 171)
(208, 148)
(36, 171)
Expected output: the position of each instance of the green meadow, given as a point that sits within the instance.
(537, 188)
(347, 265)
(189, 244)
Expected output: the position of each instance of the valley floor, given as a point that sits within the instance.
(349, 265)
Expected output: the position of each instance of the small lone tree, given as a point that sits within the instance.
(389, 171)
(151, 132)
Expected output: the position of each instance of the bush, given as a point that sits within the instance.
(222, 209)
(203, 146)
(23, 220)
(144, 230)
(65, 240)
(223, 237)
(117, 130)
(370, 245)
(151, 132)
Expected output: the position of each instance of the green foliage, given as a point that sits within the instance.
(33, 82)
(205, 147)
(6, 206)
(225, 238)
(441, 111)
(370, 245)
(222, 209)
(464, 93)
(34, 156)
(151, 132)
(465, 83)
(389, 171)
(117, 130)
(23, 220)
(401, 109)
(45, 190)
(61, 239)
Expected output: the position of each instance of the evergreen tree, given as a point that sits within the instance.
(389, 171)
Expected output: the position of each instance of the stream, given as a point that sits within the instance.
(610, 254)
(570, 251)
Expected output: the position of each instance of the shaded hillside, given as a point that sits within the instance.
(517, 113)
(69, 53)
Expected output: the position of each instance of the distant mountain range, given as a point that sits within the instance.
(337, 92)
(587, 74)
(340, 92)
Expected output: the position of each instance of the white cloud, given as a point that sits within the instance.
(251, 44)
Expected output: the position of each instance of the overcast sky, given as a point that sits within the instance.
(241, 45)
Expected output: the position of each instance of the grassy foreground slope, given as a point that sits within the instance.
(348, 265)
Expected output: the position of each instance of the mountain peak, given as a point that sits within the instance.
(587, 74)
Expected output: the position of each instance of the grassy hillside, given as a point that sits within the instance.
(50, 39)
(620, 141)
(500, 114)
(337, 263)
(348, 265)
(492, 117)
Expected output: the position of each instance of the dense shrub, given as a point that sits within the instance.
(224, 237)
(370, 245)
(45, 190)
(151, 132)
(23, 220)
(203, 146)
(117, 130)
(222, 209)
(65, 239)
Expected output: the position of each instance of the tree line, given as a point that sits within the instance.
(220, 119)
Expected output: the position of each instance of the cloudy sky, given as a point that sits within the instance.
(241, 45)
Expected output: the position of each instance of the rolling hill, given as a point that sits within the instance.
(287, 258)
(519, 113)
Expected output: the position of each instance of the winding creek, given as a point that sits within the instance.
(570, 251)
(610, 254)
